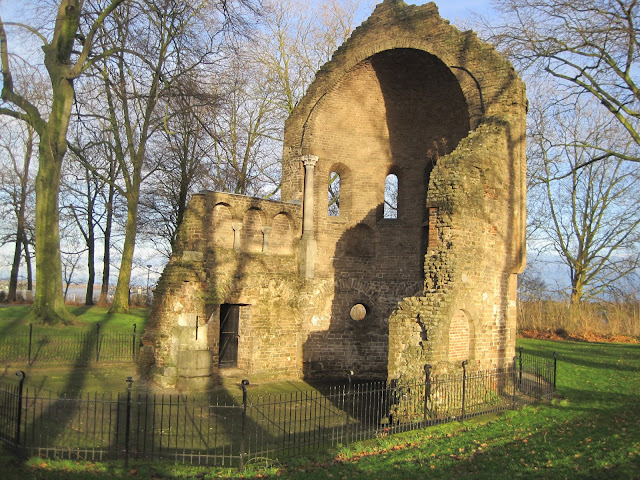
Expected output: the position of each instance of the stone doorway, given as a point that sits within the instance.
(229, 328)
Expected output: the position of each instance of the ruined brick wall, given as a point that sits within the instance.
(367, 127)
(221, 258)
(410, 96)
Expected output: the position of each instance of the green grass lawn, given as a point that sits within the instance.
(68, 344)
(591, 430)
(14, 318)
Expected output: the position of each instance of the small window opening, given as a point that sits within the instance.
(391, 196)
(333, 209)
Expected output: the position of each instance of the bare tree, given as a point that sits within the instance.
(297, 40)
(82, 193)
(160, 43)
(588, 218)
(183, 158)
(589, 46)
(67, 54)
(16, 191)
(246, 131)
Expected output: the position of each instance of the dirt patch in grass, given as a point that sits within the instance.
(582, 337)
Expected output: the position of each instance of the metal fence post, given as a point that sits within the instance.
(464, 386)
(515, 381)
(348, 406)
(98, 343)
(520, 372)
(427, 391)
(243, 384)
(30, 339)
(127, 423)
(22, 376)
(133, 347)
(555, 369)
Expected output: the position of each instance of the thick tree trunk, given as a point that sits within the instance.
(48, 305)
(121, 296)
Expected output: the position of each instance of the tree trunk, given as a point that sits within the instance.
(15, 266)
(121, 296)
(91, 253)
(21, 230)
(91, 242)
(27, 259)
(106, 257)
(48, 304)
(182, 206)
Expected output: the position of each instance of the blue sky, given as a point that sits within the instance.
(458, 12)
(453, 9)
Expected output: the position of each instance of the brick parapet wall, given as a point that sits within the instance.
(206, 270)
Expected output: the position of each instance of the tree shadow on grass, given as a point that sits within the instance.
(518, 445)
(10, 325)
(81, 310)
(49, 417)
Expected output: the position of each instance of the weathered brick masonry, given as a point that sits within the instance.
(321, 292)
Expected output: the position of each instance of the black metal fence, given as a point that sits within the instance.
(232, 430)
(44, 345)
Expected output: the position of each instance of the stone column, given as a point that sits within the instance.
(308, 244)
(309, 162)
(265, 239)
(237, 226)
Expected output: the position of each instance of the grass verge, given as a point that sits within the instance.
(592, 430)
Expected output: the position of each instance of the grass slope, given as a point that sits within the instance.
(592, 430)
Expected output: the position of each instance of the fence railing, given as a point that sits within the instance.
(98, 344)
(231, 430)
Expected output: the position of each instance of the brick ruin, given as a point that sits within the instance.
(399, 234)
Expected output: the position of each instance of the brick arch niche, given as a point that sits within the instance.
(423, 102)
(222, 225)
(251, 234)
(395, 108)
(459, 338)
(281, 235)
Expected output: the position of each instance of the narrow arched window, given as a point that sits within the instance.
(391, 196)
(333, 209)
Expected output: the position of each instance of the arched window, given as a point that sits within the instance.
(333, 209)
(391, 196)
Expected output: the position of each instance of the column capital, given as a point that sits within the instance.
(309, 160)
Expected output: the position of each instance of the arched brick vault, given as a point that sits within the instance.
(407, 94)
(411, 94)
(488, 82)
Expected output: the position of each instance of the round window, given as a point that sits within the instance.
(358, 312)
